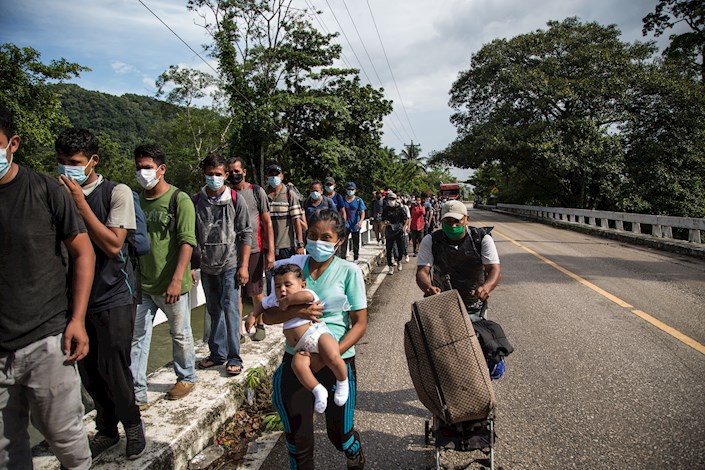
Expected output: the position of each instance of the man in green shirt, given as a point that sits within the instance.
(166, 279)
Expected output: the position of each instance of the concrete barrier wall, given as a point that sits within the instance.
(661, 226)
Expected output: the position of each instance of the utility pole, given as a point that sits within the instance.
(410, 150)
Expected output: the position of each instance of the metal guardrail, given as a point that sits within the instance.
(661, 225)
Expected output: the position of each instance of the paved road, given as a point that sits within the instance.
(590, 386)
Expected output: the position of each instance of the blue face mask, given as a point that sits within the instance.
(77, 173)
(351, 192)
(5, 163)
(215, 182)
(274, 181)
(330, 189)
(315, 195)
(319, 250)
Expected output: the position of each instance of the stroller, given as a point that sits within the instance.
(451, 377)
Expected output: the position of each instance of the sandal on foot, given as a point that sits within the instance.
(234, 369)
(207, 363)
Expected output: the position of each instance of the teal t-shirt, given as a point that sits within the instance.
(341, 289)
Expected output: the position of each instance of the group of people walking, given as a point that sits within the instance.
(85, 263)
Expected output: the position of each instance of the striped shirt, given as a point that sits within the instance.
(284, 207)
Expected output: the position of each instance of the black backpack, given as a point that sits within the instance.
(134, 251)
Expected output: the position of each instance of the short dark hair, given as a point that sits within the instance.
(7, 121)
(234, 160)
(76, 140)
(288, 268)
(213, 160)
(152, 151)
(331, 216)
(318, 182)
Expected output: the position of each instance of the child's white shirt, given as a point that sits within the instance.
(271, 301)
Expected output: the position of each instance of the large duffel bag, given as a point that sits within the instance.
(445, 360)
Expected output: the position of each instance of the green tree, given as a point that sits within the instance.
(289, 104)
(686, 50)
(546, 107)
(24, 89)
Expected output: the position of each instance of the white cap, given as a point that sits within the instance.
(454, 209)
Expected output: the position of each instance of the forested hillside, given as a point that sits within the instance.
(128, 119)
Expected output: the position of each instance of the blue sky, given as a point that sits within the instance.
(127, 48)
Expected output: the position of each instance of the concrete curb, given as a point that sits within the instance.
(669, 245)
(177, 431)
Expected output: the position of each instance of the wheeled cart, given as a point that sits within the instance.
(450, 375)
(467, 436)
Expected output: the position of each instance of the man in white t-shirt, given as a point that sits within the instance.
(463, 255)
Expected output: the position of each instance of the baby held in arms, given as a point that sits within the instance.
(313, 343)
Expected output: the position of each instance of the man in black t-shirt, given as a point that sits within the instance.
(42, 333)
(109, 214)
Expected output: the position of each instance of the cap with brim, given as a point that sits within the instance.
(350, 185)
(391, 195)
(274, 167)
(454, 209)
(329, 180)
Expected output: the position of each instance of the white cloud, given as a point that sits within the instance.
(122, 68)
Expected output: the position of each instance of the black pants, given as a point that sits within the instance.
(394, 238)
(416, 237)
(355, 236)
(105, 371)
(295, 407)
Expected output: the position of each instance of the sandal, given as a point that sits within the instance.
(207, 363)
(234, 369)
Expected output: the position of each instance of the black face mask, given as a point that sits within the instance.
(235, 178)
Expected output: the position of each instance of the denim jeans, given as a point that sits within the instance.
(223, 305)
(36, 383)
(184, 354)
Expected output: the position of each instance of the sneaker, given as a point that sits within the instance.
(102, 442)
(406, 259)
(390, 270)
(136, 442)
(399, 266)
(357, 462)
(260, 334)
(180, 390)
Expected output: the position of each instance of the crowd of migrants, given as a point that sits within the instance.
(85, 260)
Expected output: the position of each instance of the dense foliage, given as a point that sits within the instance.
(573, 116)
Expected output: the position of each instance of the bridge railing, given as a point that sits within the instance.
(661, 226)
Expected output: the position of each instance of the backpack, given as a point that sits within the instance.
(137, 240)
(196, 254)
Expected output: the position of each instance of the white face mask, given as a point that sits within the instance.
(147, 178)
(5, 163)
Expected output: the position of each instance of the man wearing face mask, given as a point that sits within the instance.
(224, 236)
(286, 216)
(166, 273)
(467, 254)
(109, 213)
(377, 224)
(394, 218)
(42, 334)
(262, 251)
(316, 201)
(355, 213)
(334, 196)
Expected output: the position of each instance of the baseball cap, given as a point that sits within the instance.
(391, 195)
(329, 180)
(350, 185)
(274, 167)
(454, 209)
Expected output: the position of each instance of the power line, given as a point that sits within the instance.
(390, 68)
(211, 67)
(362, 41)
(348, 41)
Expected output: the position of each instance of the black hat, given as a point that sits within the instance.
(274, 167)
